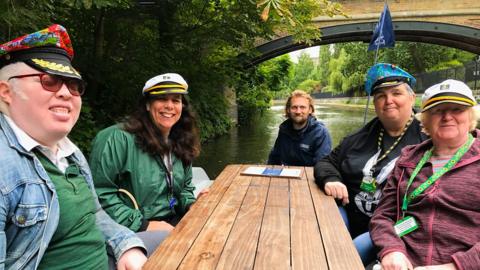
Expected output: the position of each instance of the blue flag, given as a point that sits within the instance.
(383, 35)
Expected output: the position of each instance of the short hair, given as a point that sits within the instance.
(409, 89)
(474, 112)
(5, 73)
(299, 93)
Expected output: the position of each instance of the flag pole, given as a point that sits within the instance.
(368, 97)
(381, 22)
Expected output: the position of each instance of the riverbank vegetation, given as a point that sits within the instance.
(341, 68)
(119, 44)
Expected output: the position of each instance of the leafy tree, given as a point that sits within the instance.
(321, 71)
(336, 79)
(309, 86)
(302, 71)
(272, 72)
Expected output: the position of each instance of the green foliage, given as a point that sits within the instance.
(309, 86)
(302, 71)
(321, 70)
(295, 17)
(253, 95)
(336, 79)
(342, 67)
(214, 119)
(13, 16)
(273, 72)
(85, 129)
(255, 99)
(420, 57)
(119, 44)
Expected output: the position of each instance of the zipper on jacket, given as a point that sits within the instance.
(430, 225)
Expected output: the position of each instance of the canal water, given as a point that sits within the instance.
(251, 144)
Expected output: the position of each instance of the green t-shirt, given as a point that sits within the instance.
(77, 243)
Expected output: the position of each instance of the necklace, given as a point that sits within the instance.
(397, 141)
(369, 183)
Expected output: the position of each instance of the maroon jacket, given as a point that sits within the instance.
(448, 212)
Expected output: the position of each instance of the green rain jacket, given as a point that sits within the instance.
(118, 163)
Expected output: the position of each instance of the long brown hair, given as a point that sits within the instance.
(184, 139)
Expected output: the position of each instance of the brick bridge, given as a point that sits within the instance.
(452, 23)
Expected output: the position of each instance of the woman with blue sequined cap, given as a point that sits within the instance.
(354, 173)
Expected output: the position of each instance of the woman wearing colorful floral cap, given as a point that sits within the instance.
(355, 171)
(429, 217)
(142, 168)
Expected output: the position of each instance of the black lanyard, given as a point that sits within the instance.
(166, 162)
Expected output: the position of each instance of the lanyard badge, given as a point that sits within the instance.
(368, 183)
(172, 203)
(408, 223)
(405, 226)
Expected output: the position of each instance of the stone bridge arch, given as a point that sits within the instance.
(451, 35)
(452, 23)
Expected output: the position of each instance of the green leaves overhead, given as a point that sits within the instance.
(295, 17)
(119, 44)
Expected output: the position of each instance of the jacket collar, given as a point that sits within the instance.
(22, 142)
(10, 135)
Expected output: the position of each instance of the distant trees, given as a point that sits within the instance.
(342, 67)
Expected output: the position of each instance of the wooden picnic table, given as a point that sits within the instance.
(258, 222)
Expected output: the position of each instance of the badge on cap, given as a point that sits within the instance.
(49, 50)
(444, 87)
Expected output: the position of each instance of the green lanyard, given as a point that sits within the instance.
(458, 155)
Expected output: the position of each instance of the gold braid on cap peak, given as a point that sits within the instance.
(172, 88)
(433, 100)
(169, 91)
(55, 66)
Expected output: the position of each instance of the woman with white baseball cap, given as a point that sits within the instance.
(430, 212)
(142, 168)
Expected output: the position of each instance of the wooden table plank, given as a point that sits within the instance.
(307, 247)
(207, 248)
(255, 222)
(337, 243)
(173, 249)
(274, 244)
(239, 251)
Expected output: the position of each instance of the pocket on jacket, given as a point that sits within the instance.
(28, 215)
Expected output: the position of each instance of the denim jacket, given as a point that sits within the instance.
(29, 208)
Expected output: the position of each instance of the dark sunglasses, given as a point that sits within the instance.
(53, 83)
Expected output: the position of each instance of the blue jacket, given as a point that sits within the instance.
(29, 209)
(300, 147)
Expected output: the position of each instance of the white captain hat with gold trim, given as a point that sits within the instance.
(168, 83)
(449, 91)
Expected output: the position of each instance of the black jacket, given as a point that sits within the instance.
(346, 161)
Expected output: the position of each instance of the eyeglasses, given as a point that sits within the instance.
(452, 110)
(54, 83)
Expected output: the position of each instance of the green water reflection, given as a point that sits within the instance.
(252, 143)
